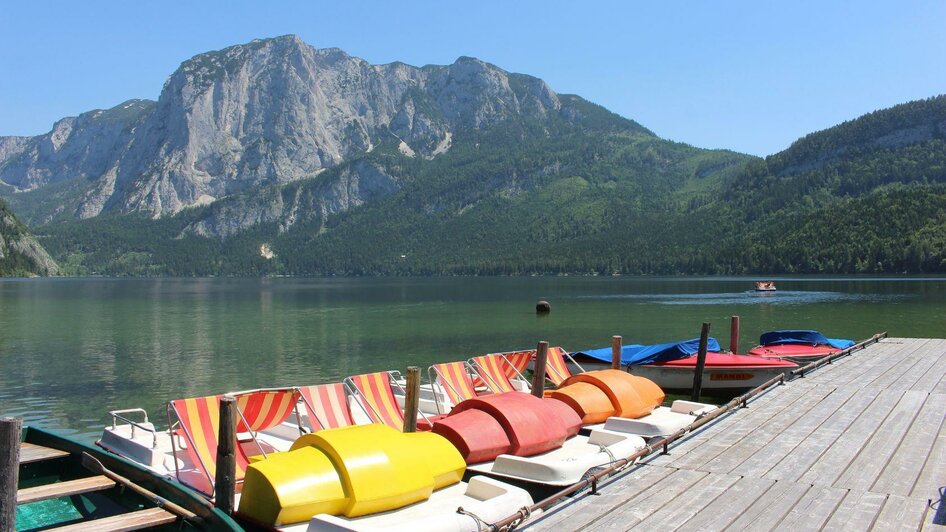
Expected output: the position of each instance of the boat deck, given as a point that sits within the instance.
(859, 444)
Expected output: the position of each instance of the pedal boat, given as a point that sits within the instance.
(618, 401)
(353, 477)
(372, 477)
(518, 436)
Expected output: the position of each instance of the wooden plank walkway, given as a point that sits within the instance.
(856, 445)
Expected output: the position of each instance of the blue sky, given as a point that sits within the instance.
(748, 75)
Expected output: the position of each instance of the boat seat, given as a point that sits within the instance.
(30, 452)
(147, 518)
(63, 489)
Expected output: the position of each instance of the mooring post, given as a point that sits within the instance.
(10, 428)
(225, 481)
(734, 335)
(700, 363)
(616, 352)
(538, 377)
(411, 398)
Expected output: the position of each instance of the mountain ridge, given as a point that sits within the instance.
(335, 166)
(267, 112)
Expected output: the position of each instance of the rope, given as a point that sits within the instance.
(614, 460)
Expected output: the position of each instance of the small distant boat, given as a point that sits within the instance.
(671, 365)
(798, 346)
(64, 483)
(765, 286)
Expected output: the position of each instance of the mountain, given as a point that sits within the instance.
(20, 253)
(278, 147)
(269, 112)
(274, 157)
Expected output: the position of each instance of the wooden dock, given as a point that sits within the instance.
(856, 445)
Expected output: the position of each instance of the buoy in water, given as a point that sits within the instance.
(543, 307)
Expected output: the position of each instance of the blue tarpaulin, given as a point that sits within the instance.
(648, 354)
(802, 337)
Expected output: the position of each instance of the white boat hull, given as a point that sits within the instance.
(487, 499)
(567, 464)
(722, 378)
(662, 422)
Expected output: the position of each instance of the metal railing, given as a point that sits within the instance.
(117, 416)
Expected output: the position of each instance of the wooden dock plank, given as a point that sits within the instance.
(648, 502)
(697, 451)
(901, 513)
(871, 461)
(736, 454)
(879, 364)
(30, 452)
(857, 511)
(63, 489)
(740, 497)
(737, 427)
(809, 451)
(940, 387)
(834, 462)
(578, 512)
(937, 372)
(813, 510)
(894, 367)
(149, 517)
(902, 471)
(688, 503)
(926, 362)
(933, 474)
(853, 367)
(777, 504)
(785, 443)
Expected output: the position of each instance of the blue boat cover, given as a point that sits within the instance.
(648, 354)
(803, 337)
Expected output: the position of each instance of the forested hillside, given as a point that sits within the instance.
(20, 254)
(862, 197)
(868, 196)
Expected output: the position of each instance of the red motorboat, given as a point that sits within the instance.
(798, 346)
(721, 371)
(672, 365)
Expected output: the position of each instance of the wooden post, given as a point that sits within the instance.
(734, 335)
(616, 352)
(10, 428)
(225, 481)
(541, 360)
(411, 399)
(700, 363)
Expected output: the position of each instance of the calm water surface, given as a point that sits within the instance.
(71, 349)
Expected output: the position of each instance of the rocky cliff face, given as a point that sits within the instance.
(268, 112)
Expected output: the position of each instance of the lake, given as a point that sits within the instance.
(71, 349)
